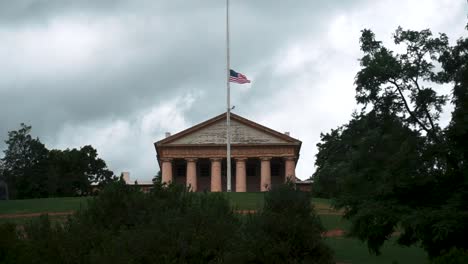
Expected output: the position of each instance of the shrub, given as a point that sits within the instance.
(10, 245)
(454, 256)
(172, 225)
(286, 231)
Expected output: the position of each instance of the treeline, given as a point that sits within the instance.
(30, 170)
(392, 167)
(172, 225)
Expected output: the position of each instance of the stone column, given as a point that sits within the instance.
(265, 174)
(166, 171)
(290, 169)
(216, 175)
(192, 174)
(241, 181)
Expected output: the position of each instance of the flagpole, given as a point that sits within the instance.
(228, 101)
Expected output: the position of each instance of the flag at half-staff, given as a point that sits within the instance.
(238, 77)
(231, 76)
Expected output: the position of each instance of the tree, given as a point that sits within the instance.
(32, 171)
(72, 172)
(3, 184)
(454, 61)
(393, 165)
(331, 151)
(377, 166)
(287, 230)
(157, 179)
(25, 164)
(96, 170)
(399, 82)
(364, 151)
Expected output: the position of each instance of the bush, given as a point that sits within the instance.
(10, 245)
(172, 225)
(454, 256)
(286, 231)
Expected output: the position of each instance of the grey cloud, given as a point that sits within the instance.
(39, 11)
(148, 52)
(187, 51)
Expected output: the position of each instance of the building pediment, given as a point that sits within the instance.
(243, 132)
(198, 156)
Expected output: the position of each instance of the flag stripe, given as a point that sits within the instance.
(238, 77)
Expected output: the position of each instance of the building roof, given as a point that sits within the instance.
(212, 132)
(286, 138)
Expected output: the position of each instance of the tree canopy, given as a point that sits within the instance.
(24, 165)
(33, 171)
(393, 167)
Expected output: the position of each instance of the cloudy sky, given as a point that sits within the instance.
(118, 74)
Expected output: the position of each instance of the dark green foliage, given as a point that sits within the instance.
(393, 82)
(374, 161)
(392, 167)
(330, 151)
(71, 172)
(32, 171)
(24, 165)
(157, 179)
(10, 244)
(454, 256)
(286, 231)
(172, 225)
(455, 63)
(370, 149)
(166, 226)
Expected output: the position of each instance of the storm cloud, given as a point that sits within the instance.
(118, 74)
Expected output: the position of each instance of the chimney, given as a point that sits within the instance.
(168, 134)
(286, 133)
(126, 177)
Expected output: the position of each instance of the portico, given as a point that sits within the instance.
(196, 157)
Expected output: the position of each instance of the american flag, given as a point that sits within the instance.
(238, 77)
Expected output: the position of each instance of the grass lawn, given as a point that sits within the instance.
(42, 205)
(246, 201)
(331, 222)
(349, 250)
(321, 201)
(254, 201)
(240, 201)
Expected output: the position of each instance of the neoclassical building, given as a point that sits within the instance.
(260, 157)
